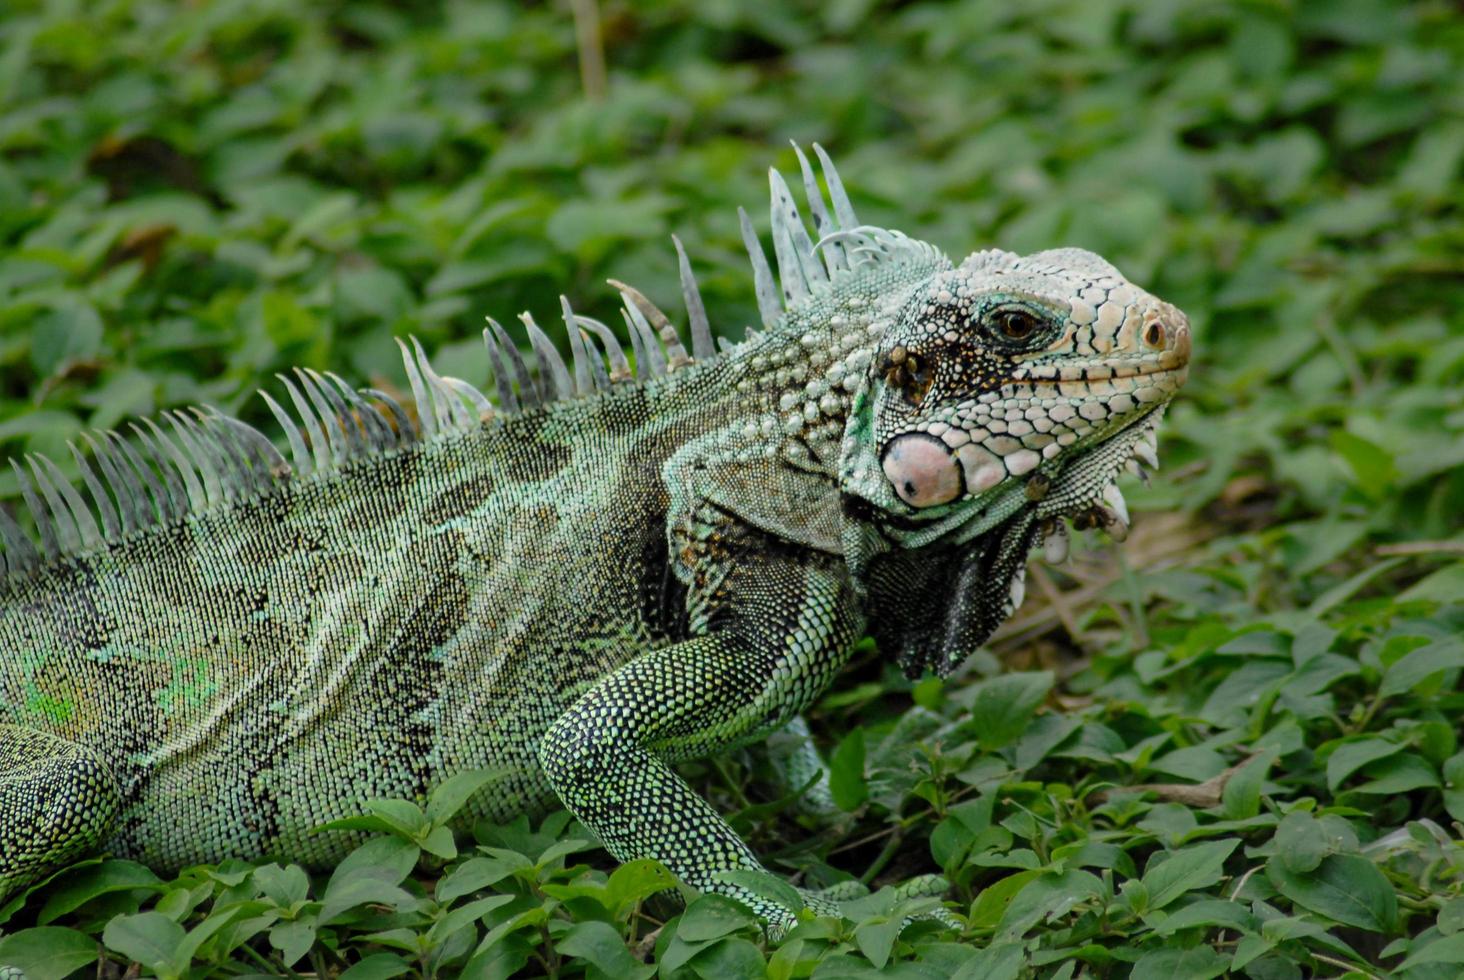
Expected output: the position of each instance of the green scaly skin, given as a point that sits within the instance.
(579, 594)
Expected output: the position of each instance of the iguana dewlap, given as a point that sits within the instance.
(213, 645)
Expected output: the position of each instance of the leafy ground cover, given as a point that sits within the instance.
(1228, 748)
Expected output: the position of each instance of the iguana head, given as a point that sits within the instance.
(1004, 394)
(1005, 368)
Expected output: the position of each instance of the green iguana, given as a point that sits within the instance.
(612, 567)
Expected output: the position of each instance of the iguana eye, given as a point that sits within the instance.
(912, 374)
(1015, 325)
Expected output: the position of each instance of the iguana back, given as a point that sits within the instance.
(259, 668)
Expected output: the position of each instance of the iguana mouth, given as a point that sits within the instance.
(1172, 361)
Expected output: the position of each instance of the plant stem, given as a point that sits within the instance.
(591, 48)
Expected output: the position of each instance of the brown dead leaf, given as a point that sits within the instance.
(1199, 795)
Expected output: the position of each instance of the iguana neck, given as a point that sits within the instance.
(806, 375)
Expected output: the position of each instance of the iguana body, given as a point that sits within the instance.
(223, 650)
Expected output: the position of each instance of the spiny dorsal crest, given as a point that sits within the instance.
(200, 458)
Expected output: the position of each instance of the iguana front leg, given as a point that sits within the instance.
(57, 800)
(775, 638)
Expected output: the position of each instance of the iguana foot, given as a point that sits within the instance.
(797, 765)
(831, 901)
(929, 886)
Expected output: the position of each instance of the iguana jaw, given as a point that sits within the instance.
(986, 583)
(1086, 490)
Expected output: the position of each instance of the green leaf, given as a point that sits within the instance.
(367, 822)
(532, 918)
(997, 961)
(402, 816)
(1433, 161)
(1042, 736)
(465, 915)
(452, 795)
(1048, 898)
(730, 959)
(283, 886)
(635, 881)
(148, 938)
(439, 843)
(1444, 585)
(1447, 949)
(70, 331)
(555, 853)
(477, 873)
(389, 859)
(1003, 705)
(1190, 868)
(1252, 682)
(1418, 666)
(1398, 774)
(48, 952)
(351, 891)
(293, 940)
(93, 881)
(1344, 888)
(1312, 640)
(589, 228)
(846, 772)
(1285, 929)
(378, 966)
(1207, 913)
(1241, 797)
(995, 899)
(217, 921)
(1451, 917)
(369, 875)
(601, 944)
(876, 939)
(499, 960)
(711, 916)
(1301, 843)
(1372, 466)
(1352, 756)
(1249, 949)
(676, 954)
(766, 886)
(1194, 963)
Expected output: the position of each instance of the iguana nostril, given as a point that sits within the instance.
(1154, 335)
(922, 470)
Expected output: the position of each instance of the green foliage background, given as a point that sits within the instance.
(194, 196)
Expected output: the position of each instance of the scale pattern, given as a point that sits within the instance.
(213, 645)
